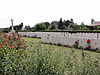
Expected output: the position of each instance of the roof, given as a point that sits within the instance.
(96, 23)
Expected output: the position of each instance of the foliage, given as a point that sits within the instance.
(98, 51)
(61, 62)
(52, 27)
(11, 40)
(25, 30)
(11, 53)
(17, 27)
(73, 31)
(47, 24)
(27, 27)
(97, 27)
(38, 59)
(92, 21)
(70, 31)
(1, 29)
(40, 26)
(62, 25)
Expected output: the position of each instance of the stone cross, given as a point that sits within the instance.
(12, 24)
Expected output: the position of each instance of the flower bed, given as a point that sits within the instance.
(11, 41)
(12, 48)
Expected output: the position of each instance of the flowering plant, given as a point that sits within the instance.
(88, 44)
(12, 40)
(88, 41)
(12, 48)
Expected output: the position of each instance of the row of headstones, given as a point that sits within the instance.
(95, 43)
(68, 39)
(57, 34)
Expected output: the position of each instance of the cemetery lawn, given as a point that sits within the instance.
(34, 42)
(31, 57)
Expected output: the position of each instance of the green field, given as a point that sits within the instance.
(33, 41)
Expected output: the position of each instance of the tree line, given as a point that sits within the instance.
(56, 25)
(63, 25)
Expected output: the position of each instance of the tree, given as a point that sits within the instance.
(17, 27)
(28, 27)
(54, 24)
(20, 26)
(82, 23)
(52, 27)
(71, 20)
(92, 21)
(66, 23)
(47, 24)
(91, 27)
(40, 26)
(60, 24)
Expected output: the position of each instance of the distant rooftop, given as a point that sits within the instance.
(96, 23)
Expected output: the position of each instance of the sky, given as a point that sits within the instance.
(31, 12)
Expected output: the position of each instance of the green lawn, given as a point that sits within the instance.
(59, 60)
(33, 41)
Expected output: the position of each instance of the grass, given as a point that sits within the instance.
(60, 48)
(58, 60)
(44, 59)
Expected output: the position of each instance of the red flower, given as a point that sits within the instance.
(5, 42)
(89, 46)
(1, 44)
(88, 41)
(4, 36)
(11, 46)
(13, 41)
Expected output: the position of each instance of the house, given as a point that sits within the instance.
(95, 23)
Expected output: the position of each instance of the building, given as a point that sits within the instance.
(95, 23)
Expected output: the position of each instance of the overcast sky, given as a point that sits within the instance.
(31, 12)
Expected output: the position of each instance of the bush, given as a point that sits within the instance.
(11, 53)
(98, 51)
(12, 40)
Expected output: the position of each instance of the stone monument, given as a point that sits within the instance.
(12, 30)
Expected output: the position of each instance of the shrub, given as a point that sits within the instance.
(59, 44)
(98, 51)
(12, 40)
(11, 53)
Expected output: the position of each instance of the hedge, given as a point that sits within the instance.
(70, 31)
